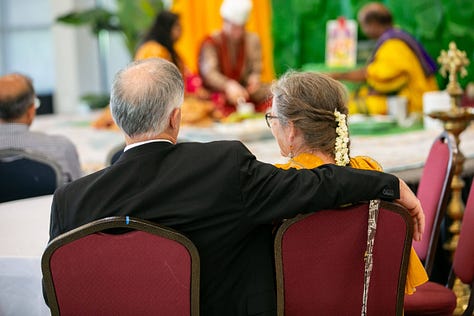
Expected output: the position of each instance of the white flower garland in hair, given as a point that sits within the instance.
(342, 139)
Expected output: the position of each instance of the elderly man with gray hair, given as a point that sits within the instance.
(216, 193)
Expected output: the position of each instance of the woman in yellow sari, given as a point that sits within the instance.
(308, 120)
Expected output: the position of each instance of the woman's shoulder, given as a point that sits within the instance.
(151, 49)
(302, 161)
(365, 162)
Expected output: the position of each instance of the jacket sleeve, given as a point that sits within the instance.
(270, 193)
(55, 221)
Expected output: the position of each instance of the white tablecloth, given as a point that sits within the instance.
(24, 234)
(401, 154)
(93, 145)
(396, 152)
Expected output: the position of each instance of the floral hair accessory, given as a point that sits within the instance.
(341, 151)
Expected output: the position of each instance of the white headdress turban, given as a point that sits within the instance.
(236, 11)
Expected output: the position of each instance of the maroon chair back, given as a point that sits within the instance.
(319, 261)
(435, 299)
(147, 270)
(433, 191)
(463, 264)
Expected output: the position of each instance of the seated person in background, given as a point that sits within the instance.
(399, 65)
(216, 193)
(159, 42)
(230, 61)
(17, 112)
(308, 119)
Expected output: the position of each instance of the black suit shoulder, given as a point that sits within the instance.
(218, 146)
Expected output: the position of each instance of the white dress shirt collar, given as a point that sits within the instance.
(145, 142)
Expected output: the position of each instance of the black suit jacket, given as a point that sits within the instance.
(224, 200)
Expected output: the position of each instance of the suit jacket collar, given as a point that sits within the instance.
(136, 152)
(128, 147)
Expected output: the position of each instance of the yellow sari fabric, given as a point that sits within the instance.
(416, 274)
(395, 69)
(152, 49)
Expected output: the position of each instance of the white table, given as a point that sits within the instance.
(24, 234)
(403, 154)
(93, 145)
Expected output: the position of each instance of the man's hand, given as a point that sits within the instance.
(409, 200)
(253, 83)
(234, 92)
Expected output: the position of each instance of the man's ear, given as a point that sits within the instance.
(30, 114)
(175, 118)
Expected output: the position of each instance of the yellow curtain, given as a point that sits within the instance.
(201, 17)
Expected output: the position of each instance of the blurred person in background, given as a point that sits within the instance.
(399, 64)
(159, 42)
(160, 39)
(230, 61)
(18, 104)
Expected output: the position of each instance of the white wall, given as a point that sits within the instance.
(25, 41)
(78, 65)
(61, 59)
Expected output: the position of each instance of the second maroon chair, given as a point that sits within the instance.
(434, 299)
(433, 192)
(319, 262)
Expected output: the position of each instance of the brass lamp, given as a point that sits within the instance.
(455, 121)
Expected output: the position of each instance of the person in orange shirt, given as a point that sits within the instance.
(160, 39)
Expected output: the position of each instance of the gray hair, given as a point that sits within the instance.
(143, 96)
(308, 99)
(14, 104)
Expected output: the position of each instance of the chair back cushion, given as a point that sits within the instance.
(24, 175)
(132, 273)
(432, 193)
(464, 255)
(430, 298)
(320, 262)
